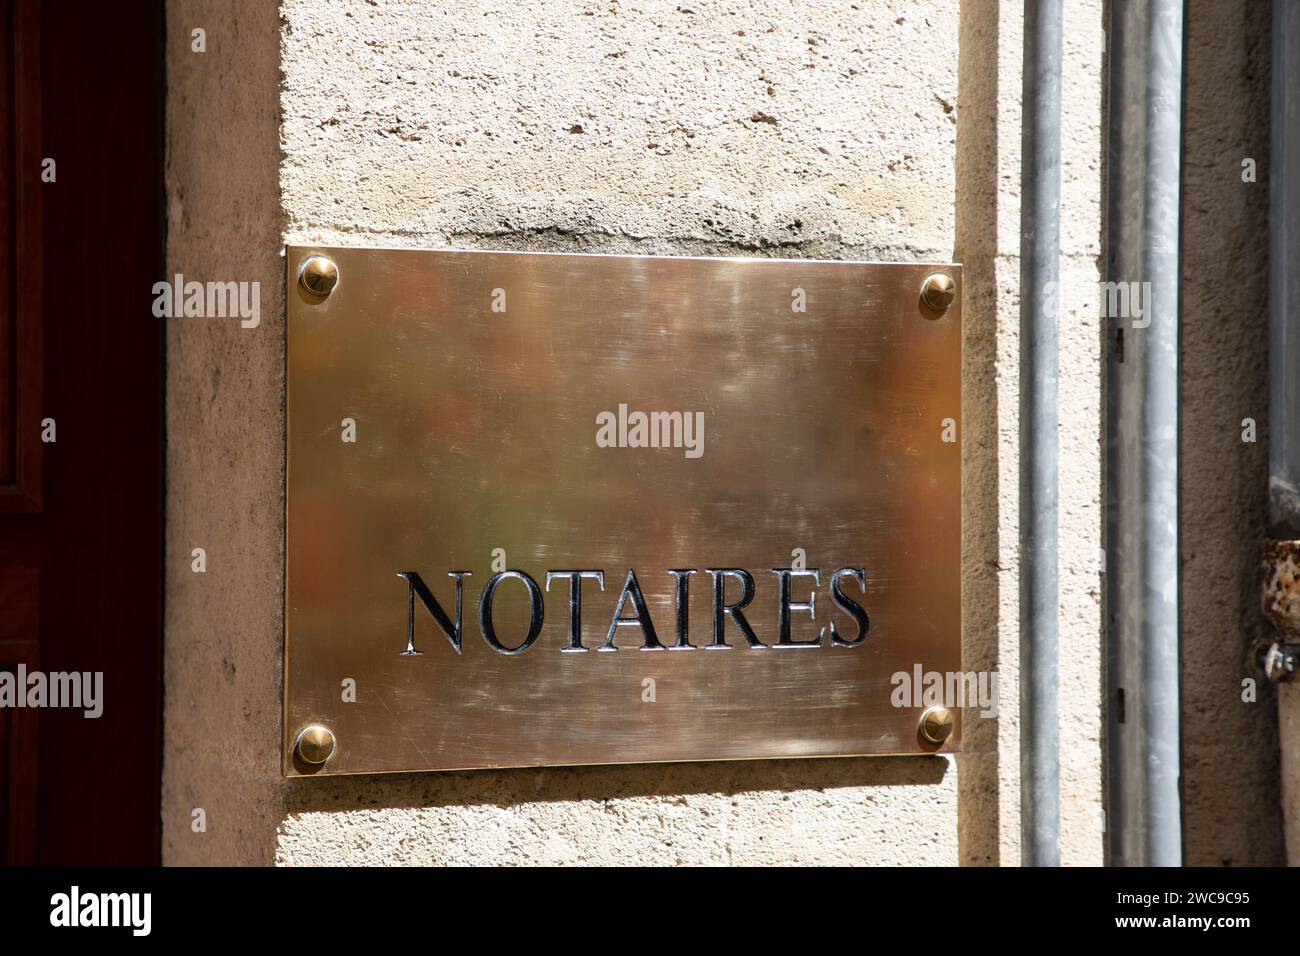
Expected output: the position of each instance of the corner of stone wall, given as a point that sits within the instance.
(225, 440)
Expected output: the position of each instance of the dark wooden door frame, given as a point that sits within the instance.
(81, 539)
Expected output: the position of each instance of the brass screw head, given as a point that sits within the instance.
(936, 724)
(1277, 662)
(318, 275)
(315, 745)
(938, 290)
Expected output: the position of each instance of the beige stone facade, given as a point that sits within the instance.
(880, 131)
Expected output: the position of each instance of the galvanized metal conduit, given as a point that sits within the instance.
(1144, 152)
(1040, 249)
(1284, 277)
(1280, 659)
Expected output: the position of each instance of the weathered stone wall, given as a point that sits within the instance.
(1231, 809)
(866, 131)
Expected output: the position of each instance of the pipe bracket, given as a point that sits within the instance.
(1279, 660)
(1274, 660)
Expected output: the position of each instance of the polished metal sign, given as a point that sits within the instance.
(573, 509)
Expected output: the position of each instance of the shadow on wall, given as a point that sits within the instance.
(1224, 479)
(603, 783)
(979, 793)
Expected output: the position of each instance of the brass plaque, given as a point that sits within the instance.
(756, 458)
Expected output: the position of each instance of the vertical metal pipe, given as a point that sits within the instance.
(1284, 277)
(1040, 250)
(1141, 305)
(1281, 660)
